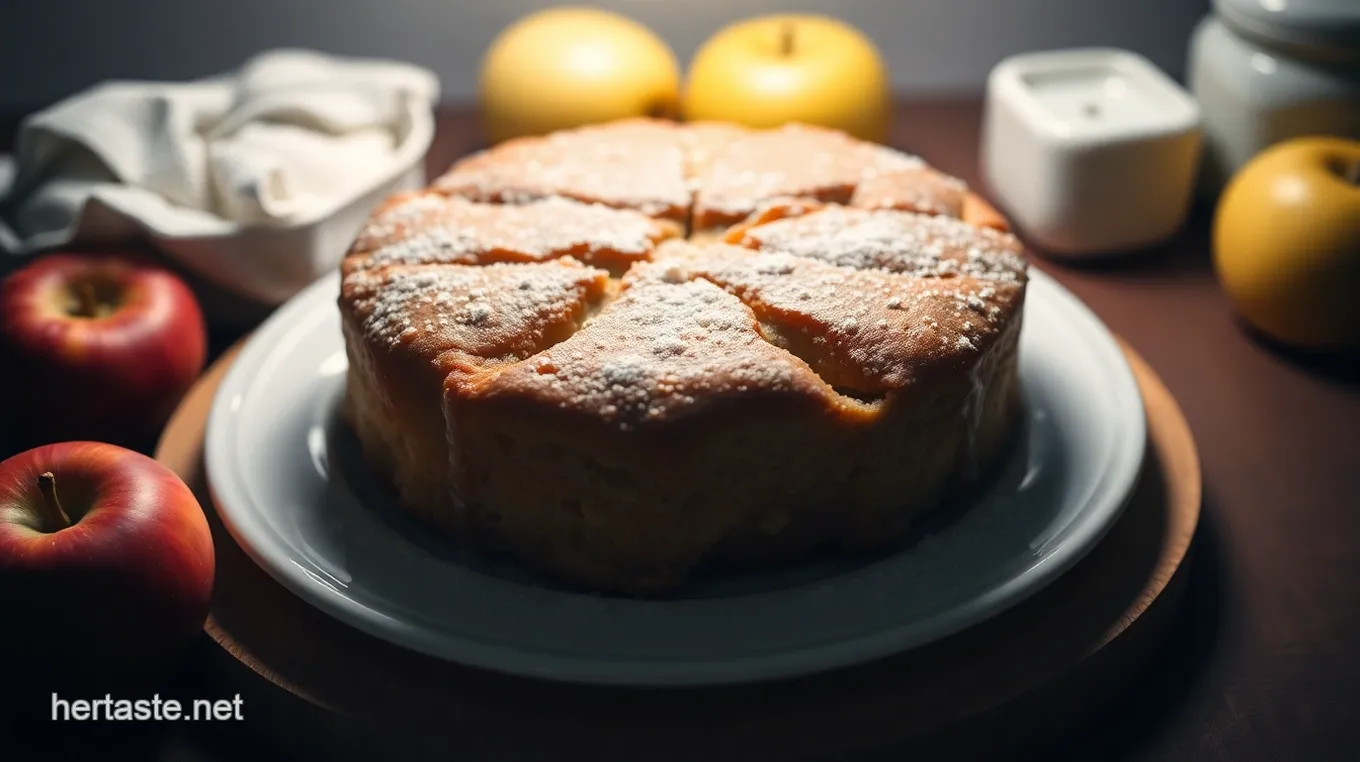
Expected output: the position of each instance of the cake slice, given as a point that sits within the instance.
(430, 228)
(636, 164)
(739, 173)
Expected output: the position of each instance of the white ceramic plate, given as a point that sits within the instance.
(292, 491)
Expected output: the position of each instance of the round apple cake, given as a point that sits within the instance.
(625, 351)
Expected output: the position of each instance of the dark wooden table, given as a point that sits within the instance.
(1264, 660)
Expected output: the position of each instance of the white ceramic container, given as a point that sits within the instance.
(1265, 71)
(1090, 151)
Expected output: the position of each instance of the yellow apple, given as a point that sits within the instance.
(1287, 242)
(770, 70)
(566, 67)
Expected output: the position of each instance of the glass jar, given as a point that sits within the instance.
(1264, 71)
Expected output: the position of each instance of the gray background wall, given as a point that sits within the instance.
(51, 48)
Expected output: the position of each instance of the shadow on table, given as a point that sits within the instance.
(1190, 252)
(1189, 256)
(1341, 368)
(1130, 726)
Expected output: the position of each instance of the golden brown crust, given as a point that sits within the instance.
(771, 210)
(923, 189)
(710, 174)
(703, 141)
(867, 321)
(796, 161)
(407, 326)
(496, 311)
(631, 164)
(925, 246)
(429, 228)
(978, 212)
(752, 477)
(824, 376)
(661, 351)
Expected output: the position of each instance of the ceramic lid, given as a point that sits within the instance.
(1304, 23)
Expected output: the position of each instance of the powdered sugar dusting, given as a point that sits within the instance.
(494, 311)
(430, 228)
(869, 329)
(923, 190)
(661, 350)
(869, 299)
(925, 246)
(634, 164)
(795, 161)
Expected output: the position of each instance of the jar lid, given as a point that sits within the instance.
(1333, 24)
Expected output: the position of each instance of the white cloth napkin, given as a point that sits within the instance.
(255, 180)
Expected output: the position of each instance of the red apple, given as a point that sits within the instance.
(106, 570)
(97, 347)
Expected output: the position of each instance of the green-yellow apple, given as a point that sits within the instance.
(106, 569)
(567, 67)
(1287, 242)
(98, 346)
(771, 70)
